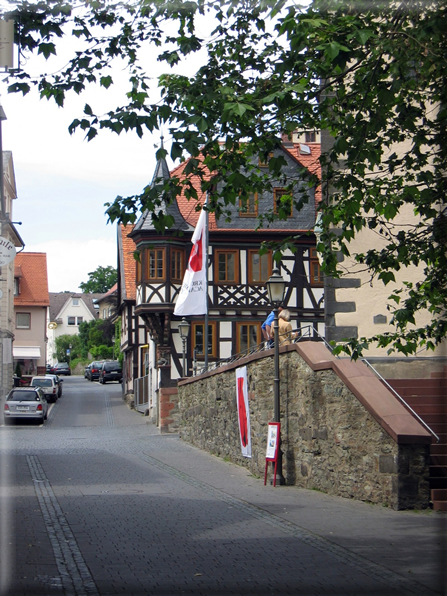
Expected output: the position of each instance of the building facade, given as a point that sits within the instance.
(67, 311)
(151, 268)
(31, 303)
(9, 233)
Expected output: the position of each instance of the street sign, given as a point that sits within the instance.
(7, 251)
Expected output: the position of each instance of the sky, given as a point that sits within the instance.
(63, 181)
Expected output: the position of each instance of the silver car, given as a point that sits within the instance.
(25, 403)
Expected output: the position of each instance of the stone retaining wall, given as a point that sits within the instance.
(330, 440)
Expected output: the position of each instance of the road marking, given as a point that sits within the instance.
(109, 413)
(74, 573)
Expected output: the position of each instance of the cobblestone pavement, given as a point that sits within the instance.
(97, 502)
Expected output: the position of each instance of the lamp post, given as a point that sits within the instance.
(183, 328)
(276, 287)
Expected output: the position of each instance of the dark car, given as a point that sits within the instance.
(92, 372)
(110, 371)
(61, 368)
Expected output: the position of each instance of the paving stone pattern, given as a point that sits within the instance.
(97, 502)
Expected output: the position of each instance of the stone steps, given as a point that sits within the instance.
(428, 398)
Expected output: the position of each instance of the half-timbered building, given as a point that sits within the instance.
(237, 295)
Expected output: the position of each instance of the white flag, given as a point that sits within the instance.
(192, 299)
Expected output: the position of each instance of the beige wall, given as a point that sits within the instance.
(37, 334)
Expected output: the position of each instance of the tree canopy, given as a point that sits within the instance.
(371, 74)
(100, 281)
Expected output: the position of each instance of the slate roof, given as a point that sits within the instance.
(145, 221)
(59, 299)
(31, 268)
(188, 208)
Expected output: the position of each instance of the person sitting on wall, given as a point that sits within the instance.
(284, 328)
(267, 327)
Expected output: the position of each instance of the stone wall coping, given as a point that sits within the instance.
(398, 421)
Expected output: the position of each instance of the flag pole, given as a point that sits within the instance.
(205, 339)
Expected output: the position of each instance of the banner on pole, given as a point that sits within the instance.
(243, 410)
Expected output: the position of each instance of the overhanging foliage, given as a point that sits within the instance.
(371, 74)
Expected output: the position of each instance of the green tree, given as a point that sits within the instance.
(67, 342)
(100, 281)
(372, 74)
(93, 334)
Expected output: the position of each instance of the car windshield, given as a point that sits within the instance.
(112, 366)
(42, 382)
(23, 396)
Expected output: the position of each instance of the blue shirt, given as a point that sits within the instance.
(269, 320)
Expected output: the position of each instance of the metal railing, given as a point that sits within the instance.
(400, 398)
(308, 331)
(141, 393)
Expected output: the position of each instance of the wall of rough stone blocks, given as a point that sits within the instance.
(330, 441)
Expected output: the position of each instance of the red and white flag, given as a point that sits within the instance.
(192, 299)
(243, 410)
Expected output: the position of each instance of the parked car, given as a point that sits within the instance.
(48, 386)
(49, 369)
(26, 403)
(110, 371)
(61, 368)
(59, 382)
(86, 369)
(93, 371)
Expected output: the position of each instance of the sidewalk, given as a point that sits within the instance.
(412, 544)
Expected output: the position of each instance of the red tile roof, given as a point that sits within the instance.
(129, 262)
(31, 268)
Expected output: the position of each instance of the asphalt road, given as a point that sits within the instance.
(97, 502)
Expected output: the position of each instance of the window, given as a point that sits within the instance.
(259, 267)
(75, 301)
(198, 339)
(71, 321)
(16, 286)
(248, 336)
(227, 266)
(80, 320)
(310, 137)
(154, 264)
(263, 163)
(316, 275)
(23, 320)
(248, 207)
(282, 207)
(177, 267)
(138, 269)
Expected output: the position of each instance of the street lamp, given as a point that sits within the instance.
(183, 328)
(276, 287)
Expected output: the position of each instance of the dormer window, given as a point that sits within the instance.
(16, 286)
